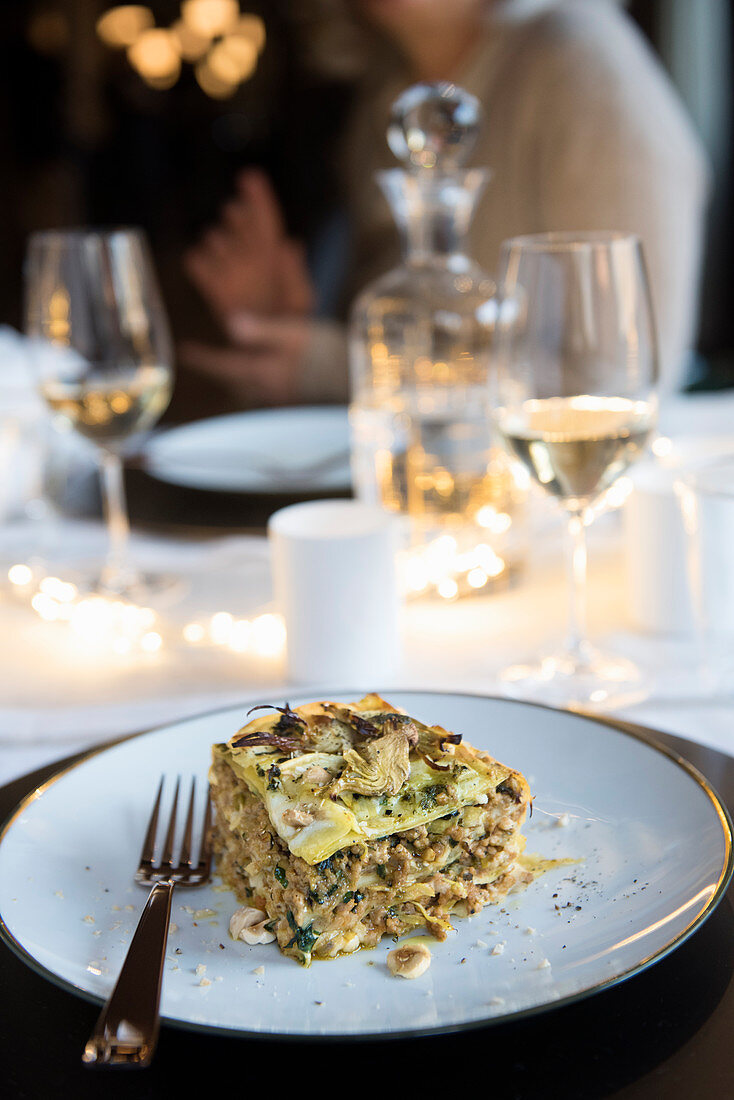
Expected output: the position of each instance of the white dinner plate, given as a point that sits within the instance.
(264, 451)
(650, 841)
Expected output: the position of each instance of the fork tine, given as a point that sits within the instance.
(205, 848)
(148, 851)
(167, 857)
(185, 856)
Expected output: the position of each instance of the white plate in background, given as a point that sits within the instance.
(651, 842)
(302, 449)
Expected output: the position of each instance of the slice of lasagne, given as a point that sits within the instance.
(347, 823)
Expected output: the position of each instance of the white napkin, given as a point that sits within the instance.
(18, 384)
(38, 454)
(22, 413)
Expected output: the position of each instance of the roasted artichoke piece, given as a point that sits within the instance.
(380, 766)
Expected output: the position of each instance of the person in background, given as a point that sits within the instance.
(582, 130)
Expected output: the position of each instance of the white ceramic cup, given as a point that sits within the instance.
(656, 551)
(706, 493)
(335, 582)
(658, 598)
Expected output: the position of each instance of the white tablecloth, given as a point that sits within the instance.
(57, 696)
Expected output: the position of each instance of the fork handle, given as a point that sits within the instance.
(127, 1029)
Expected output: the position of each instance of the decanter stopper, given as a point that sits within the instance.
(434, 126)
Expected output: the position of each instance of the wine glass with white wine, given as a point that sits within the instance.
(575, 403)
(103, 353)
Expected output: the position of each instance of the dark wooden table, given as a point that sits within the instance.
(666, 1034)
(177, 508)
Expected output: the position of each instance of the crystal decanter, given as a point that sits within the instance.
(420, 355)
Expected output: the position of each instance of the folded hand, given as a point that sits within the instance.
(264, 368)
(247, 263)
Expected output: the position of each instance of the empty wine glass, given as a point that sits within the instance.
(103, 354)
(575, 403)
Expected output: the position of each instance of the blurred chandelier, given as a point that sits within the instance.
(220, 42)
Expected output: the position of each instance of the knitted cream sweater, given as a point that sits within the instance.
(582, 130)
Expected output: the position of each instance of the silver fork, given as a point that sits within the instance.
(127, 1030)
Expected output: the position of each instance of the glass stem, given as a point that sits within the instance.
(117, 573)
(576, 642)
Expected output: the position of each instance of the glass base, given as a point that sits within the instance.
(142, 589)
(588, 680)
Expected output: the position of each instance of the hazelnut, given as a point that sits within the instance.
(248, 924)
(409, 961)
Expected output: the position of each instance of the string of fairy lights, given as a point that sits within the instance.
(117, 627)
